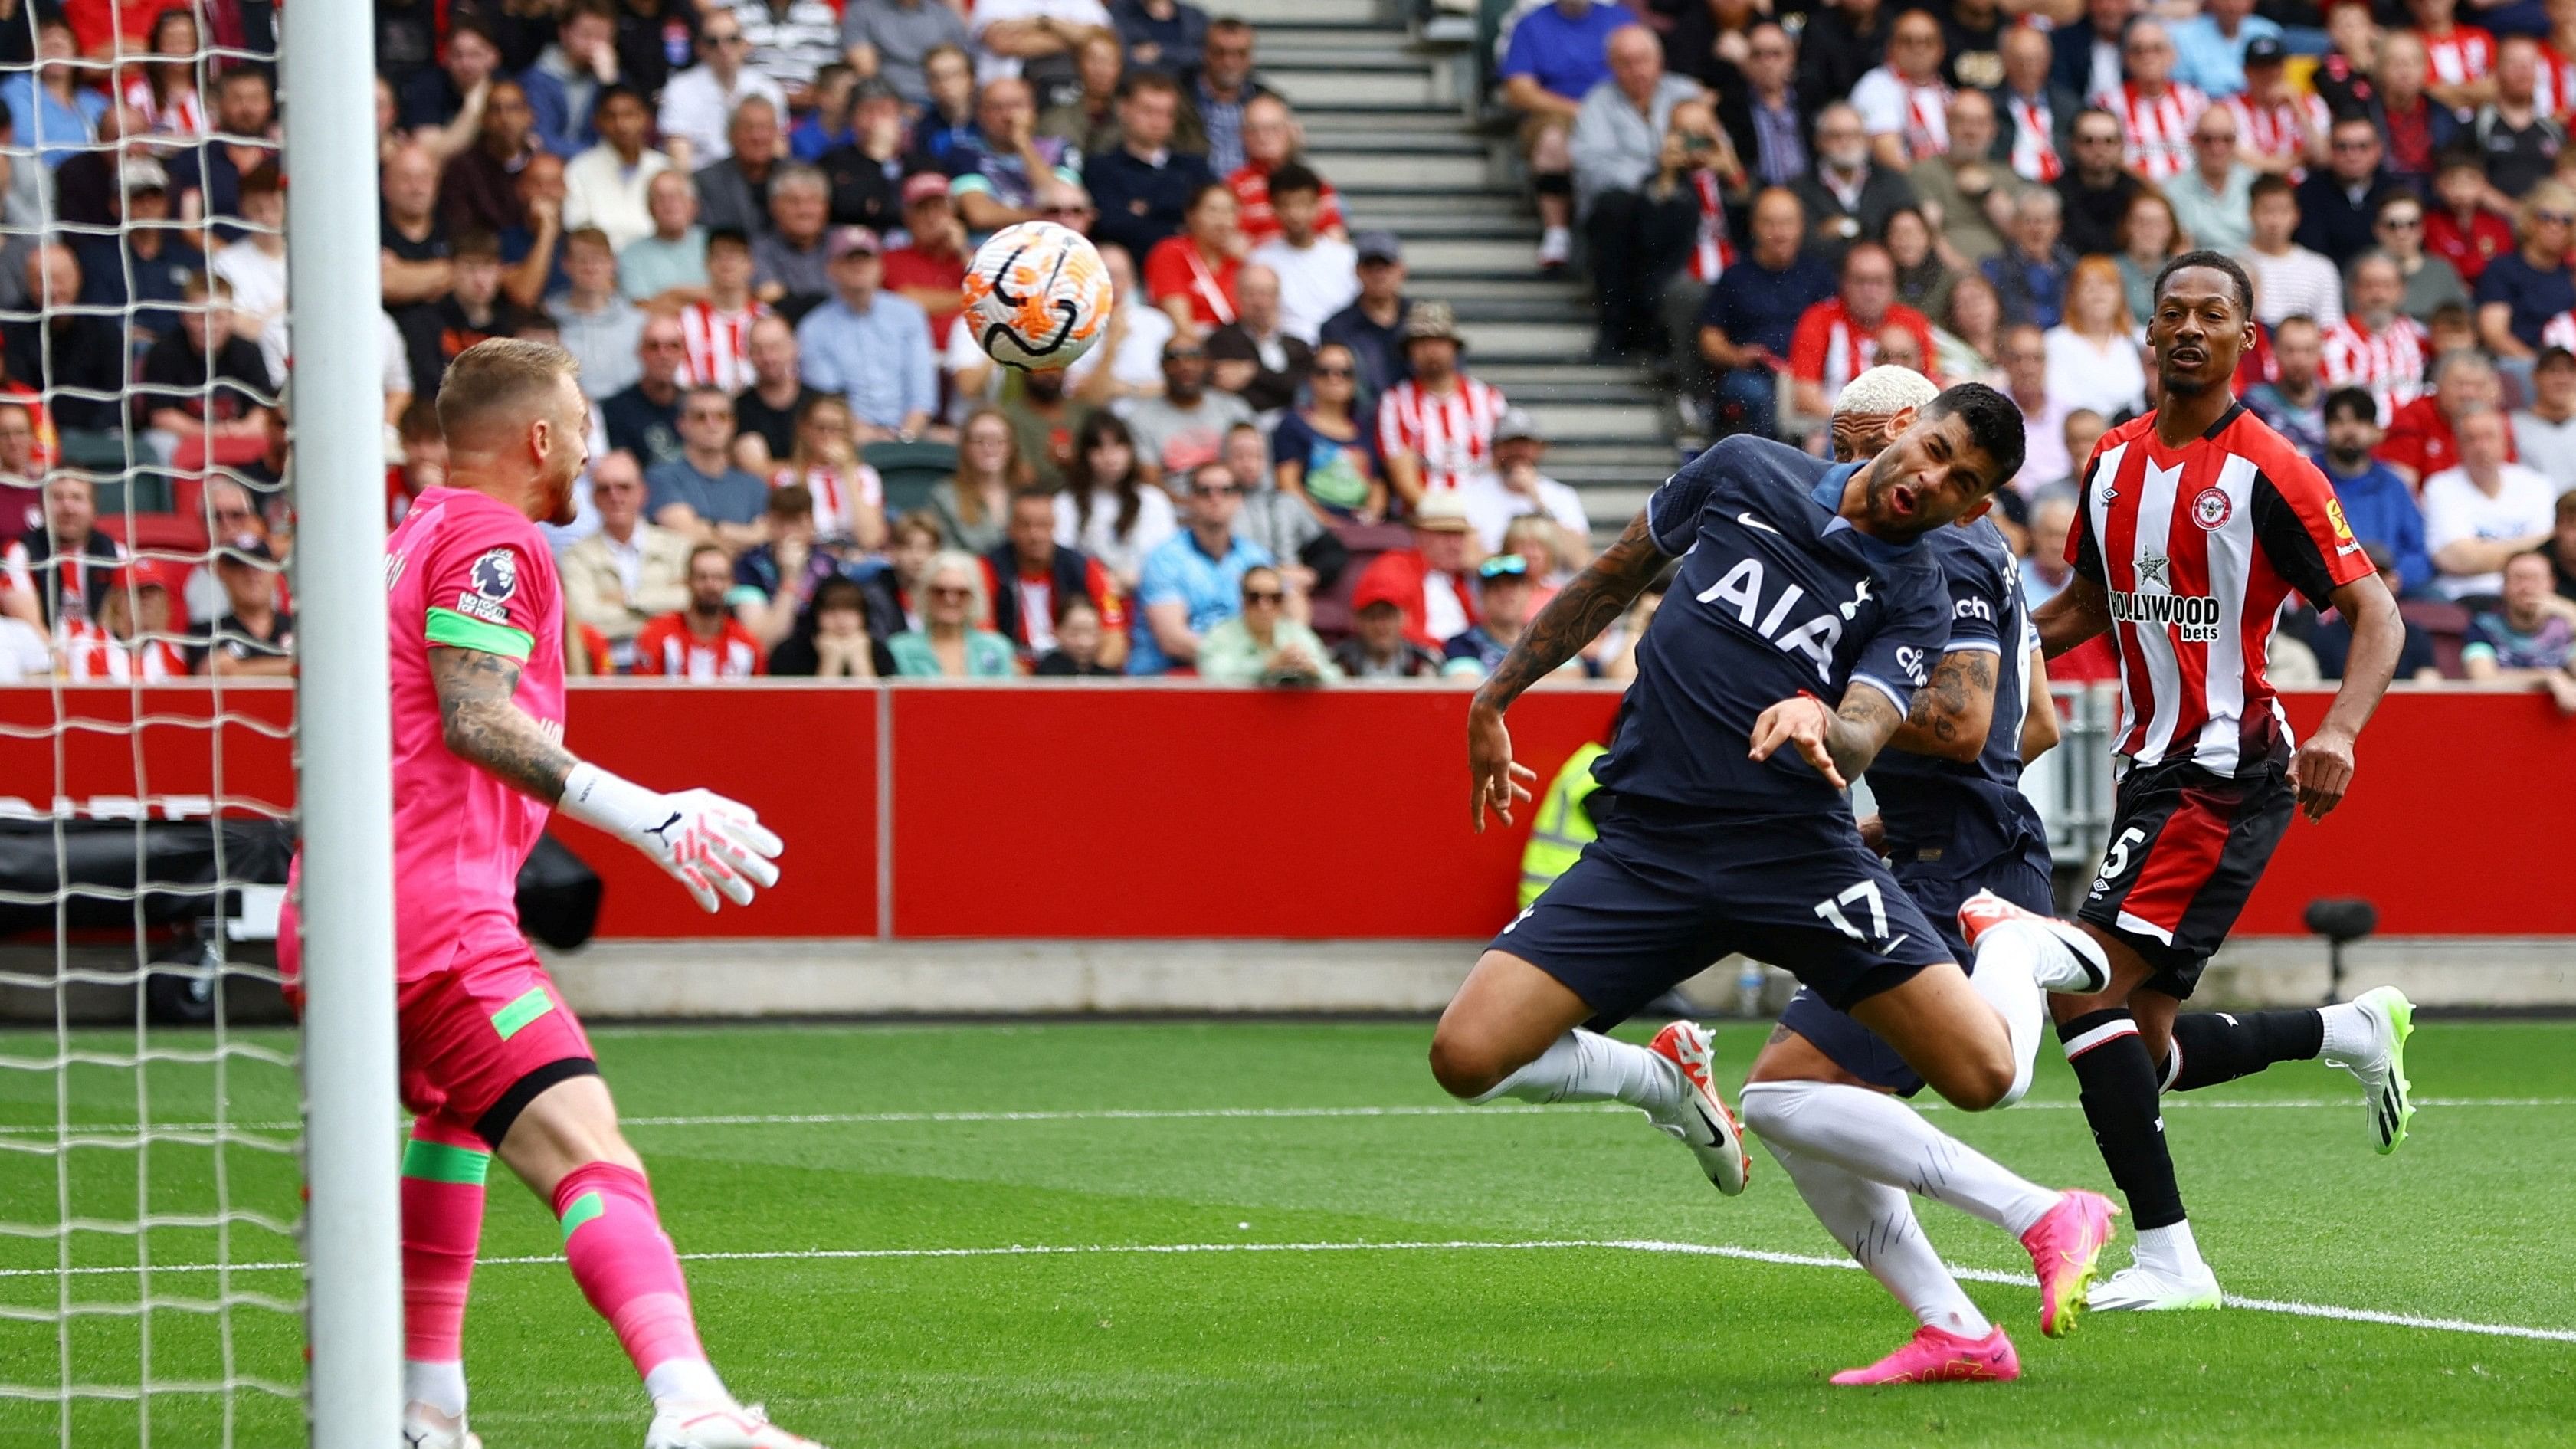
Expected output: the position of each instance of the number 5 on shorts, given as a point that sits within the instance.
(1832, 910)
(2116, 859)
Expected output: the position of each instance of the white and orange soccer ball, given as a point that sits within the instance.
(1037, 295)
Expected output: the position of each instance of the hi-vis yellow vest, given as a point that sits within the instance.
(1562, 828)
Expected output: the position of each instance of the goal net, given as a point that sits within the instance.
(165, 1191)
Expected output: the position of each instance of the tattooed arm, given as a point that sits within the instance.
(1953, 711)
(1571, 620)
(1840, 743)
(483, 724)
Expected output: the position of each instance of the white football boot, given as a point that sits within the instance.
(427, 1428)
(2380, 1065)
(1705, 1124)
(719, 1425)
(2146, 1290)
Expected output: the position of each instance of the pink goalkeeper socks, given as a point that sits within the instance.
(614, 1243)
(442, 1221)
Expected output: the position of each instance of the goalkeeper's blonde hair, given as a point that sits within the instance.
(499, 373)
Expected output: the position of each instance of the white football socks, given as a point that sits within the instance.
(439, 1383)
(685, 1381)
(2170, 1252)
(2009, 965)
(1882, 1139)
(1583, 1066)
(1875, 1224)
(2351, 1034)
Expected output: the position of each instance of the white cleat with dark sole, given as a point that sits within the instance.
(426, 1428)
(719, 1426)
(2144, 1290)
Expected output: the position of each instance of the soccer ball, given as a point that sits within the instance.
(1037, 295)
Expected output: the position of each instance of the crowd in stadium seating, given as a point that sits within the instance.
(749, 219)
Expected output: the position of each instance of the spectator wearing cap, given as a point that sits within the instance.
(699, 103)
(701, 494)
(147, 262)
(868, 346)
(2484, 511)
(55, 573)
(1088, 118)
(1378, 647)
(864, 174)
(632, 570)
(1318, 274)
(1193, 581)
(1503, 597)
(1428, 581)
(205, 394)
(791, 263)
(1273, 140)
(1144, 188)
(1552, 57)
(931, 268)
(1000, 170)
(609, 186)
(1372, 326)
(2213, 48)
(602, 330)
(733, 192)
(254, 636)
(2377, 505)
(2285, 128)
(2329, 637)
(2339, 202)
(1515, 486)
(1030, 577)
(1262, 644)
(564, 84)
(1751, 315)
(2544, 434)
(701, 642)
(1435, 429)
(669, 267)
(1186, 426)
(889, 39)
(1254, 357)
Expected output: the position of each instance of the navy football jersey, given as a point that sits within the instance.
(1776, 594)
(1973, 806)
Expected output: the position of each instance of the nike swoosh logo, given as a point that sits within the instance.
(1899, 939)
(1749, 521)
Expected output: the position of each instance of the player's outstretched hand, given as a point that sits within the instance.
(2322, 771)
(1801, 720)
(715, 847)
(1493, 777)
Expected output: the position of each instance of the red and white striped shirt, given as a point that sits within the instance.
(719, 345)
(184, 114)
(1831, 348)
(838, 495)
(2197, 548)
(2554, 93)
(2274, 130)
(1712, 251)
(91, 654)
(2390, 364)
(1452, 434)
(2158, 128)
(667, 648)
(2034, 147)
(2463, 55)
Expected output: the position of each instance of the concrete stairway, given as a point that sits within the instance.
(1387, 121)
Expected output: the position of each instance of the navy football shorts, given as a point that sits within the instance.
(2021, 877)
(1664, 892)
(2186, 848)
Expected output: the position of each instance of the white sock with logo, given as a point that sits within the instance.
(1583, 1066)
(1882, 1139)
(1875, 1224)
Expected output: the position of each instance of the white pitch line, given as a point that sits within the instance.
(1454, 1245)
(1182, 1114)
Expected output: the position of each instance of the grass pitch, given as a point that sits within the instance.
(1258, 1234)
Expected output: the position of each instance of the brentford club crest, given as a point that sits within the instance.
(2212, 508)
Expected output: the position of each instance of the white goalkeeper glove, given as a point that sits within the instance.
(708, 843)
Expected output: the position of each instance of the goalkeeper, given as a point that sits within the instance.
(492, 1060)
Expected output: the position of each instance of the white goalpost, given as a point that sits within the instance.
(199, 1195)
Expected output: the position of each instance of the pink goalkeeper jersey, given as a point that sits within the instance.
(468, 571)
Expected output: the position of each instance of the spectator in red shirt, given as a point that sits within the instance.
(2461, 230)
(2421, 441)
(1428, 581)
(933, 269)
(703, 641)
(1837, 339)
(1031, 575)
(1272, 139)
(1191, 275)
